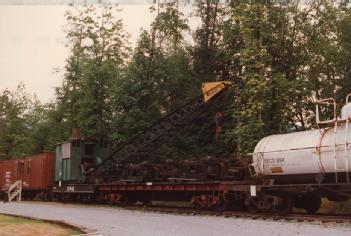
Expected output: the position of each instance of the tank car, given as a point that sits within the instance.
(322, 155)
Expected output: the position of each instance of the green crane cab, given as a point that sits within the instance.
(77, 156)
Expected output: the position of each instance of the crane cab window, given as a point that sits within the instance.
(89, 149)
(76, 143)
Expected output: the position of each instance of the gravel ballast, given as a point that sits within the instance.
(121, 222)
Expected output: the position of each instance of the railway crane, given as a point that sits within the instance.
(142, 144)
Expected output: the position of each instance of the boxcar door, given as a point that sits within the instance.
(20, 169)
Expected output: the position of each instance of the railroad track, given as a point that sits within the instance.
(292, 217)
(321, 218)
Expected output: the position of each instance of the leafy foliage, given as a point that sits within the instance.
(98, 54)
(278, 58)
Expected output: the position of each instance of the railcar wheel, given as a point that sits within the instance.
(252, 208)
(146, 202)
(312, 204)
(197, 206)
(203, 201)
(285, 205)
(223, 204)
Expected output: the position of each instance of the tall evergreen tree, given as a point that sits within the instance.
(98, 55)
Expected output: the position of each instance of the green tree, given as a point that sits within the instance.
(209, 57)
(158, 78)
(344, 49)
(12, 129)
(23, 124)
(98, 53)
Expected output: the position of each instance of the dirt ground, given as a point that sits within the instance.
(10, 226)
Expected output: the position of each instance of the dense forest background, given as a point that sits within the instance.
(280, 58)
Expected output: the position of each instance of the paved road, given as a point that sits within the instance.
(120, 222)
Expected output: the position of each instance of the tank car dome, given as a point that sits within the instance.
(346, 111)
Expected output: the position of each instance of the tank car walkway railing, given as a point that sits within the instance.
(347, 143)
(15, 191)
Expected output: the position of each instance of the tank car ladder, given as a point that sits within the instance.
(335, 146)
(346, 152)
(346, 163)
(347, 144)
(334, 122)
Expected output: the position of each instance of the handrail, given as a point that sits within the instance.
(326, 101)
(15, 190)
(14, 185)
(347, 98)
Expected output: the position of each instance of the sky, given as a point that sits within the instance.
(66, 2)
(32, 39)
(32, 44)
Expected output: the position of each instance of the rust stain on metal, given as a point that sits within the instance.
(320, 163)
(276, 169)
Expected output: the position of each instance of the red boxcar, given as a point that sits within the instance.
(7, 173)
(36, 172)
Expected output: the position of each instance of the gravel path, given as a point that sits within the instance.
(120, 222)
